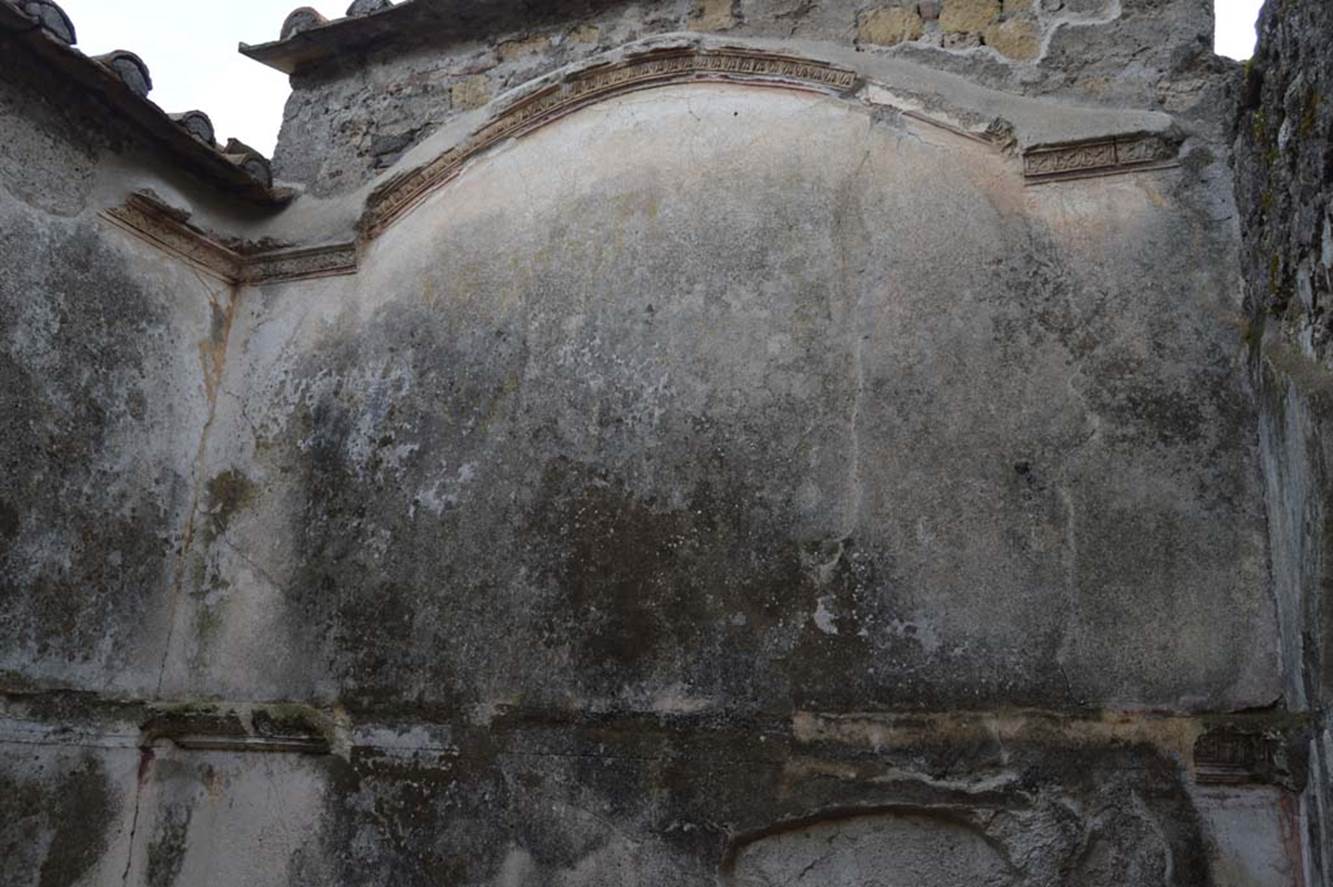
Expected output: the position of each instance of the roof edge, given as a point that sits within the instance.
(242, 173)
(312, 45)
(408, 24)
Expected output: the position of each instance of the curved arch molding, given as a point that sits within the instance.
(660, 67)
(693, 64)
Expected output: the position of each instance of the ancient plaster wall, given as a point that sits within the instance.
(719, 484)
(750, 398)
(708, 408)
(111, 351)
(1284, 173)
(109, 354)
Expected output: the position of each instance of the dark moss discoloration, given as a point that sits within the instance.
(82, 813)
(417, 818)
(226, 494)
(56, 816)
(166, 850)
(94, 536)
(704, 591)
(684, 798)
(10, 521)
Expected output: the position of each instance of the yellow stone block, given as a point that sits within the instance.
(968, 15)
(889, 25)
(512, 49)
(1016, 39)
(712, 15)
(471, 92)
(585, 34)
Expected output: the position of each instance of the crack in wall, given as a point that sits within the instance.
(213, 361)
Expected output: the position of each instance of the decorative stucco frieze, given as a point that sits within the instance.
(1268, 754)
(1105, 157)
(166, 229)
(552, 100)
(153, 221)
(300, 264)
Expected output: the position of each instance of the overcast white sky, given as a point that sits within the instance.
(190, 48)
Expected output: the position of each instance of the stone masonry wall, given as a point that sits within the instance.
(352, 118)
(1284, 174)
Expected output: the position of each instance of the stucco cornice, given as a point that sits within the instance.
(153, 221)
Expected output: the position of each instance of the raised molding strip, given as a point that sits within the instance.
(687, 64)
(292, 729)
(1100, 158)
(300, 745)
(1237, 757)
(148, 218)
(301, 264)
(655, 68)
(155, 222)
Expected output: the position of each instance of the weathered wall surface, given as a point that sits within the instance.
(105, 347)
(708, 408)
(346, 120)
(717, 484)
(1284, 172)
(747, 399)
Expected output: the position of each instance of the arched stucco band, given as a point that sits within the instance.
(593, 83)
(613, 74)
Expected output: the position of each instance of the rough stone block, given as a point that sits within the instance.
(471, 92)
(1017, 39)
(713, 15)
(889, 25)
(960, 40)
(1087, 7)
(513, 49)
(964, 16)
(585, 34)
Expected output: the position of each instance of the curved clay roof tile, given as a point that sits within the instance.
(250, 160)
(302, 19)
(197, 124)
(259, 169)
(367, 7)
(52, 19)
(130, 69)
